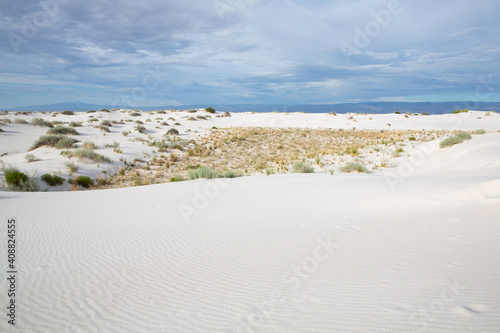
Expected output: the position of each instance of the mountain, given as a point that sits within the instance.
(369, 107)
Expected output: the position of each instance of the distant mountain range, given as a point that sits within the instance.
(370, 107)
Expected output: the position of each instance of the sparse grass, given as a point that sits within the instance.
(31, 158)
(353, 167)
(41, 122)
(479, 131)
(52, 180)
(58, 141)
(177, 178)
(302, 167)
(89, 145)
(63, 130)
(86, 154)
(459, 111)
(115, 144)
(72, 167)
(83, 181)
(202, 172)
(20, 121)
(454, 140)
(229, 174)
(75, 124)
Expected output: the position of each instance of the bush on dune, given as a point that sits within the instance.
(87, 153)
(58, 141)
(18, 181)
(454, 140)
(52, 180)
(353, 167)
(62, 130)
(302, 167)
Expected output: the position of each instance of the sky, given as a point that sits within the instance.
(154, 52)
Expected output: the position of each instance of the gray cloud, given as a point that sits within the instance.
(251, 51)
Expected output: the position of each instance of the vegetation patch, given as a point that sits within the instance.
(52, 180)
(302, 167)
(353, 167)
(58, 141)
(86, 154)
(41, 122)
(63, 130)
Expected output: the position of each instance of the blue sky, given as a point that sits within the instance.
(155, 52)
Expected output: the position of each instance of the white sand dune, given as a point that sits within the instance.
(404, 250)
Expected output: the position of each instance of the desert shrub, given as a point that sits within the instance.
(14, 177)
(104, 110)
(63, 130)
(191, 119)
(397, 112)
(125, 133)
(210, 109)
(353, 167)
(31, 158)
(302, 167)
(20, 121)
(203, 172)
(41, 122)
(201, 117)
(106, 123)
(135, 114)
(172, 131)
(176, 178)
(425, 114)
(229, 174)
(463, 136)
(87, 153)
(454, 140)
(89, 145)
(140, 129)
(72, 167)
(115, 144)
(161, 111)
(459, 111)
(68, 113)
(58, 141)
(83, 181)
(479, 131)
(52, 180)
(103, 128)
(75, 124)
(91, 111)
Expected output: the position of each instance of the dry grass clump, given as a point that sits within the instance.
(63, 130)
(86, 154)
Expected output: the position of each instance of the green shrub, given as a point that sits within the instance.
(202, 172)
(397, 112)
(20, 121)
(14, 177)
(106, 123)
(41, 122)
(210, 109)
(135, 114)
(176, 178)
(83, 181)
(87, 153)
(480, 131)
(58, 141)
(302, 167)
(456, 139)
(63, 130)
(463, 136)
(353, 167)
(459, 111)
(91, 111)
(52, 180)
(68, 113)
(75, 124)
(229, 174)
(125, 133)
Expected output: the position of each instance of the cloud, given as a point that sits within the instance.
(252, 51)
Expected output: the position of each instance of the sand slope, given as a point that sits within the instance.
(285, 253)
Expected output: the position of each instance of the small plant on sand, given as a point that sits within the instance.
(115, 144)
(83, 181)
(172, 131)
(177, 178)
(125, 133)
(202, 172)
(302, 167)
(41, 122)
(229, 174)
(480, 131)
(72, 167)
(459, 111)
(353, 167)
(210, 109)
(31, 158)
(86, 154)
(68, 113)
(89, 145)
(454, 140)
(58, 141)
(18, 181)
(140, 129)
(20, 121)
(52, 180)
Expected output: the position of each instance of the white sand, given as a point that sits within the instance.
(410, 249)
